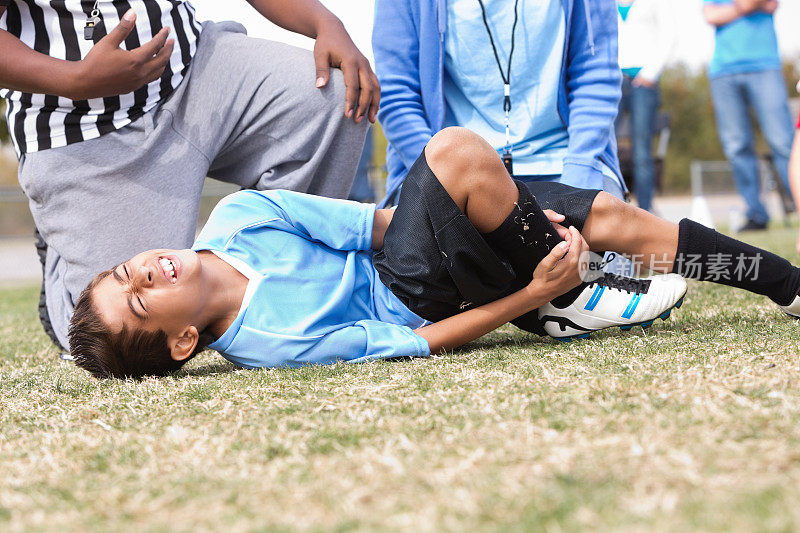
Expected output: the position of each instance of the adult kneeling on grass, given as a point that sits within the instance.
(282, 278)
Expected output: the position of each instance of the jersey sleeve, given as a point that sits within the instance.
(362, 341)
(339, 224)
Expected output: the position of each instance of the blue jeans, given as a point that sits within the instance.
(642, 103)
(362, 188)
(765, 92)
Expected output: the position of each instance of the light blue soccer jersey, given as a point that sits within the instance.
(313, 295)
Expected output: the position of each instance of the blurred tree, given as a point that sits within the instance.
(685, 96)
(4, 137)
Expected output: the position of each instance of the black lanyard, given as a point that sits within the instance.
(506, 76)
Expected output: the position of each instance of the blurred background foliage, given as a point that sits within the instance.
(685, 96)
(3, 127)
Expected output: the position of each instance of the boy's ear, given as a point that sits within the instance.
(182, 346)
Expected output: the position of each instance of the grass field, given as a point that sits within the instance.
(692, 424)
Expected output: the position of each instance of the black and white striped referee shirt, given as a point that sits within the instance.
(55, 27)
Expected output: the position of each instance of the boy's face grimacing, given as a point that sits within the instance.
(155, 290)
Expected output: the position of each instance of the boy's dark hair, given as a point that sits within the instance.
(131, 353)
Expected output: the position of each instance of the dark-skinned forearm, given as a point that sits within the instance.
(748, 6)
(722, 14)
(380, 223)
(24, 69)
(300, 16)
(467, 326)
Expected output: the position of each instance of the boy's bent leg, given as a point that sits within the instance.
(689, 249)
(472, 174)
(707, 255)
(646, 239)
(504, 211)
(512, 223)
(99, 202)
(252, 107)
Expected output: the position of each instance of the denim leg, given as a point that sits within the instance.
(624, 102)
(736, 135)
(767, 93)
(644, 105)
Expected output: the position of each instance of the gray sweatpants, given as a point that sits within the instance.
(247, 113)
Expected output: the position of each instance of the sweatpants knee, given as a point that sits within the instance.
(337, 89)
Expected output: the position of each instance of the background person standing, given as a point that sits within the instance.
(745, 73)
(646, 41)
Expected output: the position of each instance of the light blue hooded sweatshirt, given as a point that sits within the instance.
(408, 43)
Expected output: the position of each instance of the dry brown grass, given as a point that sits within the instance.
(692, 424)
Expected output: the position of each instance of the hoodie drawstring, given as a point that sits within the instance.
(588, 9)
(442, 18)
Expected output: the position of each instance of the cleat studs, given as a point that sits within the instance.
(625, 328)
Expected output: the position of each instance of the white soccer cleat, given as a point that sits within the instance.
(614, 300)
(793, 309)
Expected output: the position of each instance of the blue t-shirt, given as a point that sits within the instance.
(313, 295)
(748, 44)
(473, 87)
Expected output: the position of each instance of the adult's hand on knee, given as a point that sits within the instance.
(108, 70)
(334, 48)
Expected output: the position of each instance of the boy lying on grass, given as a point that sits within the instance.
(280, 278)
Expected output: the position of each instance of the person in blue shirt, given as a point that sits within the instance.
(449, 63)
(281, 278)
(647, 30)
(745, 73)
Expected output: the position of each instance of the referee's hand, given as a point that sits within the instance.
(335, 48)
(108, 70)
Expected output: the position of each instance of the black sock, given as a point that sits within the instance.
(707, 255)
(524, 238)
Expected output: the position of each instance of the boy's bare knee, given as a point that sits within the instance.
(458, 154)
(446, 144)
(456, 144)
